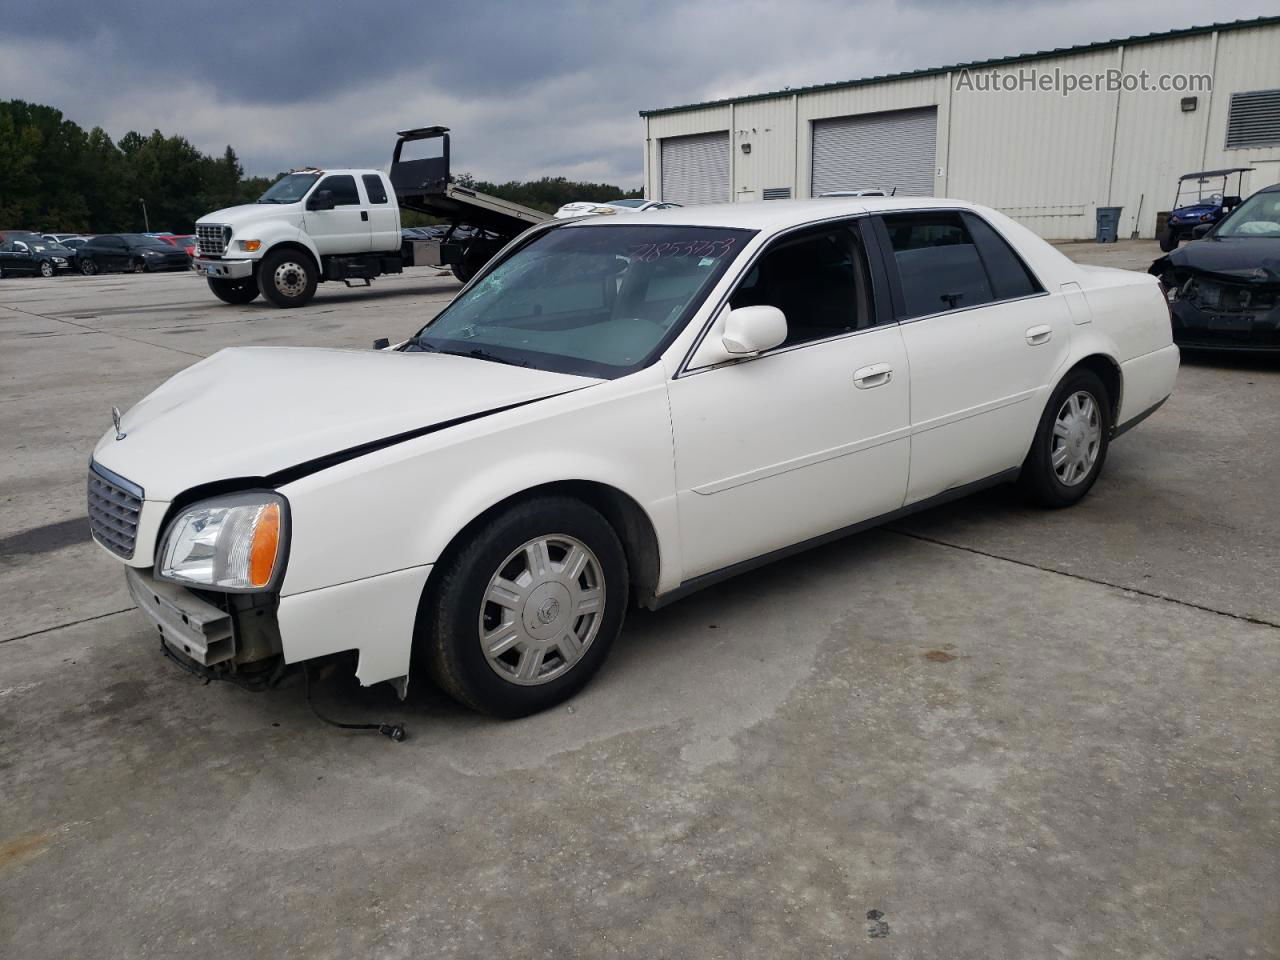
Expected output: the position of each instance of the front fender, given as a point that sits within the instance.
(275, 235)
(401, 506)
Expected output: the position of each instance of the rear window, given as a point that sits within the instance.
(374, 188)
(1009, 276)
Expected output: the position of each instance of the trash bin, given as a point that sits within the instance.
(1108, 224)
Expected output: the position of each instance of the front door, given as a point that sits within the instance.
(345, 228)
(804, 439)
(15, 258)
(984, 340)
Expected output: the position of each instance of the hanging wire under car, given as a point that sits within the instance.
(395, 731)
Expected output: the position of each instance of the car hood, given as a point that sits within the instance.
(250, 412)
(247, 213)
(1243, 258)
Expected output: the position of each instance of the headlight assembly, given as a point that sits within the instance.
(235, 543)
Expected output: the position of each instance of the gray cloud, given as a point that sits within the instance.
(529, 89)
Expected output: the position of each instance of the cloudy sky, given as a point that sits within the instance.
(529, 88)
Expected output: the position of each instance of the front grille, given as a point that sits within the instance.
(211, 239)
(114, 506)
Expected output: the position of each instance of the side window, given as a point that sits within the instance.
(937, 262)
(374, 188)
(818, 280)
(343, 188)
(1010, 277)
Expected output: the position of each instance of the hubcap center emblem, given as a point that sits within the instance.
(549, 610)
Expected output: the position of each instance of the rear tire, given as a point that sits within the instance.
(287, 278)
(1071, 442)
(559, 574)
(234, 291)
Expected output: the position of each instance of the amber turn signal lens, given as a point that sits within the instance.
(266, 544)
(252, 245)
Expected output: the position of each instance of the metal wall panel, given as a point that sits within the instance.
(766, 131)
(695, 169)
(894, 151)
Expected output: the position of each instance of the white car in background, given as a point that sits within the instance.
(583, 208)
(615, 411)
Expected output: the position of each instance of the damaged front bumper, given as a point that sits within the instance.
(216, 634)
(1222, 314)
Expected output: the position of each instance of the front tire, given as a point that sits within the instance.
(46, 269)
(140, 266)
(88, 267)
(1169, 240)
(287, 278)
(1071, 442)
(524, 613)
(234, 291)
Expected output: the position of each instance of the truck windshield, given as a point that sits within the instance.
(598, 301)
(290, 188)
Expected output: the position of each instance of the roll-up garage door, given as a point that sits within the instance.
(696, 169)
(884, 150)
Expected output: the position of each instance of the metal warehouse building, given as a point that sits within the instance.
(1044, 158)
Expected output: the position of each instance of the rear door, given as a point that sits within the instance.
(984, 340)
(345, 228)
(384, 216)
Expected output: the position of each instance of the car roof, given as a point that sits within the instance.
(774, 214)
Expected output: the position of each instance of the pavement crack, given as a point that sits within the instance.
(63, 626)
(1151, 594)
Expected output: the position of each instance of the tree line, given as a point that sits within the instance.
(55, 176)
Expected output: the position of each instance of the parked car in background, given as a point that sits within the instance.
(616, 411)
(870, 192)
(1224, 287)
(184, 241)
(31, 253)
(61, 237)
(584, 208)
(129, 252)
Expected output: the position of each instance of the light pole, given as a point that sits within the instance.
(146, 224)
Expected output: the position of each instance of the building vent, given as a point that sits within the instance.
(1254, 119)
(777, 193)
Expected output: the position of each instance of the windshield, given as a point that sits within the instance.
(1259, 216)
(290, 188)
(594, 301)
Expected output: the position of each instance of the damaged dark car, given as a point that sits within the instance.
(1224, 288)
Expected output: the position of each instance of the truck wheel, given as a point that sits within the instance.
(473, 259)
(287, 278)
(525, 611)
(234, 291)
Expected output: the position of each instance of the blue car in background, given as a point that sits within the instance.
(1207, 209)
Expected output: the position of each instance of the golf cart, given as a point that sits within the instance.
(1211, 204)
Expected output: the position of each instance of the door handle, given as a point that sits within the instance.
(1039, 335)
(876, 375)
(364, 215)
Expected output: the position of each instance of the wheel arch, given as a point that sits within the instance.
(298, 245)
(633, 525)
(1107, 370)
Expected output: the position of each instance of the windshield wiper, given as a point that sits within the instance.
(486, 355)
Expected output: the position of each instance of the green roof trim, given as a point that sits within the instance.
(977, 64)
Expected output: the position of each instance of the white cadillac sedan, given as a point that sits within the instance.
(616, 411)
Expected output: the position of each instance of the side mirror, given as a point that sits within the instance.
(321, 200)
(750, 330)
(1200, 229)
